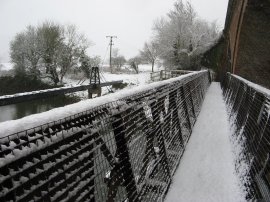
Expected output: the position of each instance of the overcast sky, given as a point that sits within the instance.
(130, 20)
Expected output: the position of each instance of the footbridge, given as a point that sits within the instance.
(127, 146)
(33, 95)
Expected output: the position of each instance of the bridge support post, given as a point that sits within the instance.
(95, 89)
(94, 82)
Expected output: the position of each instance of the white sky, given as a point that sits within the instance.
(130, 20)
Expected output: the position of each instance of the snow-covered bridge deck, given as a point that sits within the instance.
(206, 172)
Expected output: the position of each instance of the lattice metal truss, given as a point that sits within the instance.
(126, 150)
(249, 114)
(94, 76)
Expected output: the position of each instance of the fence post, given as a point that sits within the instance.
(124, 171)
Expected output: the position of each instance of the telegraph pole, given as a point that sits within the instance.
(111, 44)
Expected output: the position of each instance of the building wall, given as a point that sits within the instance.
(246, 48)
(253, 57)
(235, 29)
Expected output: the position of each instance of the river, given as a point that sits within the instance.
(17, 111)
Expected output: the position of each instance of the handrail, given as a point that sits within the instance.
(249, 108)
(167, 74)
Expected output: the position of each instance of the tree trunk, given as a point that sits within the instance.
(137, 69)
(153, 63)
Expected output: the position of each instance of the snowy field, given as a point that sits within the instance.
(206, 171)
(131, 80)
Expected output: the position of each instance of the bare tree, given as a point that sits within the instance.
(150, 53)
(32, 50)
(26, 52)
(17, 53)
(50, 42)
(134, 63)
(182, 31)
(87, 63)
(117, 60)
(73, 46)
(49, 50)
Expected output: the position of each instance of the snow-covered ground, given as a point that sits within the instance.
(206, 171)
(131, 80)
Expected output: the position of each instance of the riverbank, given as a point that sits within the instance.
(21, 83)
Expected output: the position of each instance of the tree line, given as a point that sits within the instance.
(180, 38)
(48, 51)
(51, 50)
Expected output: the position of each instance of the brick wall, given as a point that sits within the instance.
(253, 58)
(246, 50)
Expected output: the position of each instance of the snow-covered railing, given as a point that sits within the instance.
(249, 110)
(125, 150)
(167, 74)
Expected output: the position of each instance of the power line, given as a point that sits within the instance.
(101, 71)
(111, 44)
(105, 56)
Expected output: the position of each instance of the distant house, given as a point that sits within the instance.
(244, 48)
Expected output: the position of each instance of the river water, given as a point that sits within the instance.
(16, 111)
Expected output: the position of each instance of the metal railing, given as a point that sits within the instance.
(249, 111)
(125, 150)
(167, 74)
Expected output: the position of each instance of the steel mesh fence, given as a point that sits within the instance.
(249, 111)
(125, 150)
